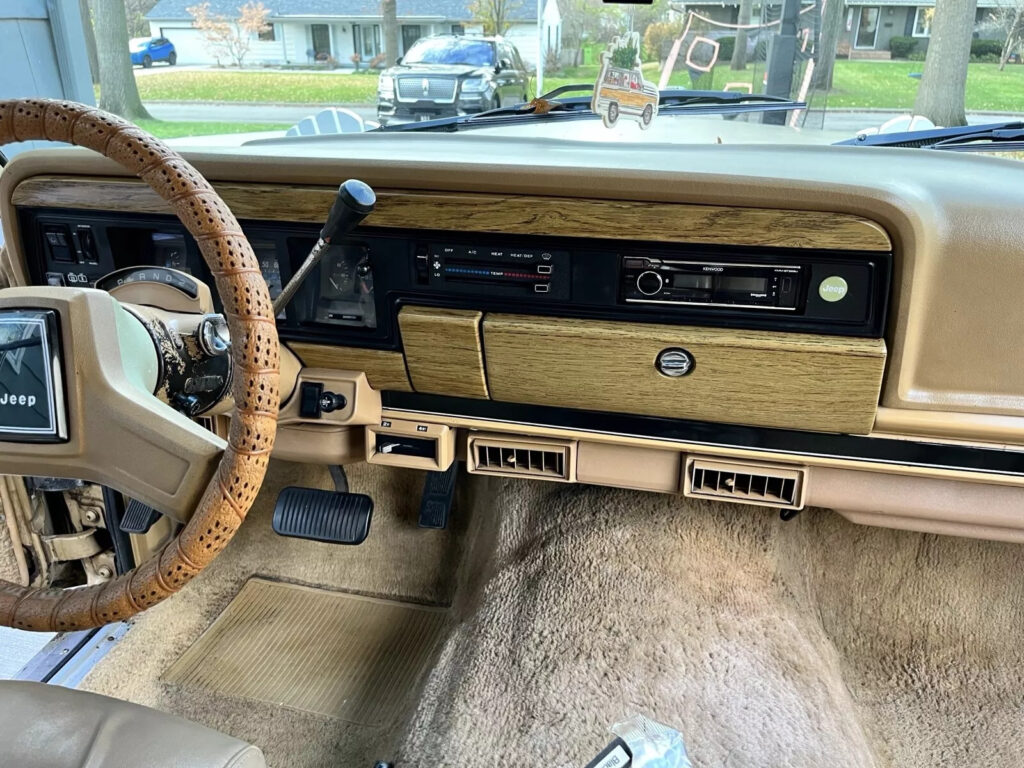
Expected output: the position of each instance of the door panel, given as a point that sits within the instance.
(867, 28)
(410, 34)
(321, 39)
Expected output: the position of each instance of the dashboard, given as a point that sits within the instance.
(691, 324)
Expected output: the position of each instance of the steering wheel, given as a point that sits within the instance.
(113, 428)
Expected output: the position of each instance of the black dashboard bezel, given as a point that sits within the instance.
(595, 268)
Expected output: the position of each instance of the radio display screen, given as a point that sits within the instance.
(743, 284)
(684, 280)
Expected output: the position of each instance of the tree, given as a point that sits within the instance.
(136, 11)
(230, 39)
(739, 51)
(494, 14)
(582, 20)
(90, 41)
(828, 40)
(1006, 21)
(118, 91)
(389, 13)
(660, 37)
(940, 96)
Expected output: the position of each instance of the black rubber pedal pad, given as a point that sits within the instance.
(138, 517)
(328, 516)
(438, 492)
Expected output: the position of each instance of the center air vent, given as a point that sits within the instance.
(511, 456)
(762, 484)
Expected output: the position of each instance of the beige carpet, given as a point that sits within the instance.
(808, 643)
(398, 561)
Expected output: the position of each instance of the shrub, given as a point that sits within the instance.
(902, 47)
(916, 56)
(981, 47)
(658, 39)
(726, 45)
(986, 58)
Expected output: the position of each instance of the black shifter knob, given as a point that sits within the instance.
(355, 201)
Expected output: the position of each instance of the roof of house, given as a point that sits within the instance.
(279, 9)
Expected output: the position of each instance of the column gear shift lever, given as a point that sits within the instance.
(354, 202)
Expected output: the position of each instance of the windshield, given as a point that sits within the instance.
(224, 73)
(444, 50)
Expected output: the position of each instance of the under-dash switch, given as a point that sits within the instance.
(309, 399)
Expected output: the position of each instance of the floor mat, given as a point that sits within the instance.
(350, 657)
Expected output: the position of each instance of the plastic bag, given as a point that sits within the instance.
(652, 744)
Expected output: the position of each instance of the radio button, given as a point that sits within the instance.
(649, 283)
(833, 288)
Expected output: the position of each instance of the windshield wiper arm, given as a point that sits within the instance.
(965, 138)
(673, 100)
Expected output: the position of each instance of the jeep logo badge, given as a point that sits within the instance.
(31, 387)
(833, 288)
(426, 87)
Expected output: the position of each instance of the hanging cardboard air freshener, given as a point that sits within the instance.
(621, 91)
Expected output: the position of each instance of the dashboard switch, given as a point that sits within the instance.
(58, 242)
(87, 252)
(309, 400)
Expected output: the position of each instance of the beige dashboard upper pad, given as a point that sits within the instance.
(254, 353)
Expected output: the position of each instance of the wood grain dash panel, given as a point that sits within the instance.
(443, 351)
(792, 381)
(385, 369)
(504, 214)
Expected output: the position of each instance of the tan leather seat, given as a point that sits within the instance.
(46, 726)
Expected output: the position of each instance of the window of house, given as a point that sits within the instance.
(923, 22)
(367, 40)
(458, 29)
(269, 34)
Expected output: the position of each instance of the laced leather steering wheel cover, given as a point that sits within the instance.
(254, 353)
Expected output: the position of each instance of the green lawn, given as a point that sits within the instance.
(254, 86)
(863, 84)
(164, 129)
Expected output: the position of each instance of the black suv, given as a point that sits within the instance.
(451, 75)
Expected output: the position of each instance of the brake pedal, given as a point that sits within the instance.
(328, 516)
(438, 492)
(138, 517)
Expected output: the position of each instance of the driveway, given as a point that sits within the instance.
(244, 113)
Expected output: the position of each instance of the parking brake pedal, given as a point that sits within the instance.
(138, 517)
(329, 516)
(438, 492)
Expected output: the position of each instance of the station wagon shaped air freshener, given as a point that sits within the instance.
(620, 90)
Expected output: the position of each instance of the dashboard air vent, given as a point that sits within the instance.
(762, 484)
(512, 456)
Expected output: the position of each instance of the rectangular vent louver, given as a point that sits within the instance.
(510, 456)
(764, 485)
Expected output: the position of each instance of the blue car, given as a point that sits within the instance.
(147, 50)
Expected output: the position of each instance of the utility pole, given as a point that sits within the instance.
(782, 59)
(540, 47)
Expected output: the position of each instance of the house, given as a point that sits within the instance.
(870, 27)
(304, 31)
(869, 24)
